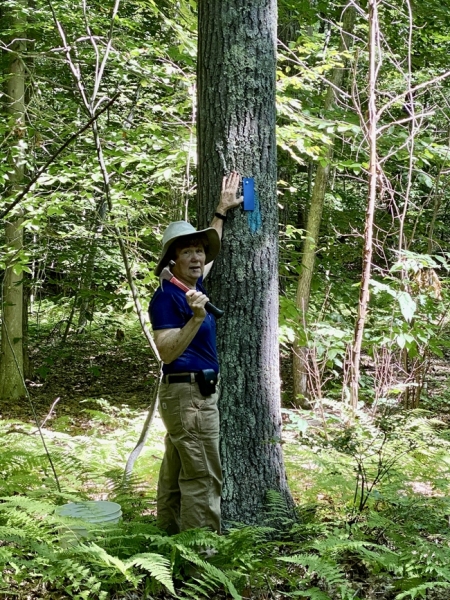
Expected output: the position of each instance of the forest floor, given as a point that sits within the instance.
(95, 371)
(77, 387)
(69, 380)
(89, 367)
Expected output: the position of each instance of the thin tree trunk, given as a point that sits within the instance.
(300, 352)
(27, 366)
(88, 272)
(11, 363)
(374, 64)
(438, 197)
(236, 130)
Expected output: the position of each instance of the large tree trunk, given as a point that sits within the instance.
(236, 130)
(11, 363)
(300, 353)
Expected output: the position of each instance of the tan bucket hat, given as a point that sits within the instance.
(180, 229)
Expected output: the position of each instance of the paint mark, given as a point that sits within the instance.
(254, 217)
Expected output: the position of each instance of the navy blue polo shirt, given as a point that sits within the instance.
(169, 310)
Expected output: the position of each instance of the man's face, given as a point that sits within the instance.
(189, 263)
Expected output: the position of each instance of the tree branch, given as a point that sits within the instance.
(412, 90)
(52, 159)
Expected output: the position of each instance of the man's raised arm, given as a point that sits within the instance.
(228, 199)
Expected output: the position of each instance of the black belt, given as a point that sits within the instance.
(185, 378)
(206, 379)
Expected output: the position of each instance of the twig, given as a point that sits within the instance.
(405, 120)
(420, 86)
(50, 412)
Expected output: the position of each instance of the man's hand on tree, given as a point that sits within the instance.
(230, 185)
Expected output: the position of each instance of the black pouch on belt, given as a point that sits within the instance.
(206, 379)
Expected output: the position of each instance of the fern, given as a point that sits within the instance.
(97, 555)
(197, 590)
(6, 554)
(420, 591)
(128, 539)
(12, 534)
(30, 505)
(383, 559)
(278, 514)
(158, 566)
(195, 538)
(187, 548)
(335, 544)
(313, 593)
(320, 567)
(211, 575)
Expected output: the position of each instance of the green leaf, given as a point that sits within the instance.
(378, 286)
(401, 341)
(407, 305)
(54, 210)
(19, 268)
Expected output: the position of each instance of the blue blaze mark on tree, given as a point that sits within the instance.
(254, 217)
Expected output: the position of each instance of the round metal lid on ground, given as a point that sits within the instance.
(92, 511)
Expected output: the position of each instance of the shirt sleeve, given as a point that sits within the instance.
(167, 312)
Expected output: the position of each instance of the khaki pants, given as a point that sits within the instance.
(190, 479)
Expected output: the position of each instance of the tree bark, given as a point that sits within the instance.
(236, 130)
(11, 363)
(300, 352)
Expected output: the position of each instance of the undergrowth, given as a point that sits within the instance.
(373, 521)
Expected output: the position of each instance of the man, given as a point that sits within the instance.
(190, 479)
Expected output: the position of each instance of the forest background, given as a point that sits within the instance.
(109, 91)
